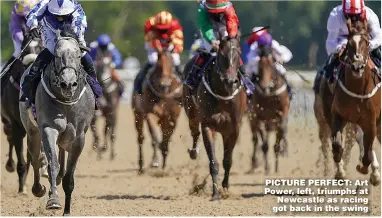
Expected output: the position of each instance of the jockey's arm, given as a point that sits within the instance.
(15, 27)
(205, 25)
(116, 56)
(177, 37)
(37, 13)
(334, 42)
(232, 21)
(285, 55)
(375, 30)
(79, 23)
(93, 50)
(252, 52)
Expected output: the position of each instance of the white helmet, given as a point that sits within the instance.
(61, 7)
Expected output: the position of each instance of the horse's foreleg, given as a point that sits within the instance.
(152, 121)
(214, 165)
(34, 148)
(168, 127)
(139, 127)
(61, 160)
(112, 122)
(229, 145)
(44, 164)
(265, 138)
(49, 141)
(68, 180)
(93, 127)
(337, 145)
(194, 127)
(18, 133)
(255, 141)
(10, 166)
(324, 135)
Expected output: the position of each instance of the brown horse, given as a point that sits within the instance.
(269, 108)
(356, 99)
(160, 106)
(221, 103)
(109, 103)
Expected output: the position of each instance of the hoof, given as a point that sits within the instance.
(225, 193)
(53, 204)
(362, 169)
(38, 190)
(103, 149)
(10, 166)
(193, 153)
(339, 176)
(141, 171)
(215, 197)
(154, 164)
(112, 156)
(23, 190)
(44, 172)
(250, 171)
(375, 180)
(66, 214)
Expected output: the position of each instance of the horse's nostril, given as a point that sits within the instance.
(63, 85)
(75, 84)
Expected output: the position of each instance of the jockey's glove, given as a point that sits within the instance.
(215, 44)
(35, 32)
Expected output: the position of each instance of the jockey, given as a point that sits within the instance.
(337, 31)
(196, 45)
(17, 28)
(53, 15)
(213, 15)
(259, 40)
(104, 46)
(17, 25)
(160, 27)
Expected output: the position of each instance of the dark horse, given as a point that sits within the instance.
(10, 115)
(109, 103)
(160, 106)
(356, 99)
(221, 103)
(269, 109)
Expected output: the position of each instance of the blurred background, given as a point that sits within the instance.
(299, 25)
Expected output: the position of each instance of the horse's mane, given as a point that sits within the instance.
(67, 31)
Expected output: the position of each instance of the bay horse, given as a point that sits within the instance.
(10, 114)
(160, 105)
(220, 105)
(109, 102)
(65, 108)
(269, 109)
(357, 99)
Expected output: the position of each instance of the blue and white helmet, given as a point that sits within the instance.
(61, 7)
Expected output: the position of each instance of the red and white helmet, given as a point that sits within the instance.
(353, 6)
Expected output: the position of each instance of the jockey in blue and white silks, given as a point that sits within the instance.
(53, 15)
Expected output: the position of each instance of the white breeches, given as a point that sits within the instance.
(253, 67)
(17, 48)
(152, 55)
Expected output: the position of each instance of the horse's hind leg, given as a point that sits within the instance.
(194, 127)
(93, 127)
(214, 165)
(68, 180)
(229, 145)
(10, 166)
(280, 136)
(152, 121)
(61, 161)
(139, 127)
(111, 121)
(49, 140)
(34, 144)
(18, 133)
(337, 145)
(255, 141)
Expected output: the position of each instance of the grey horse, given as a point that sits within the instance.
(65, 108)
(109, 103)
(10, 115)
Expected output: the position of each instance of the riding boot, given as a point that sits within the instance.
(5, 77)
(376, 57)
(250, 87)
(138, 82)
(91, 78)
(193, 77)
(291, 93)
(330, 67)
(32, 79)
(121, 86)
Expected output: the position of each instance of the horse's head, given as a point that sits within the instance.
(228, 61)
(103, 62)
(165, 64)
(266, 63)
(357, 52)
(67, 64)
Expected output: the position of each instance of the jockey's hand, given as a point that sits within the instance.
(112, 65)
(178, 49)
(35, 32)
(215, 44)
(341, 49)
